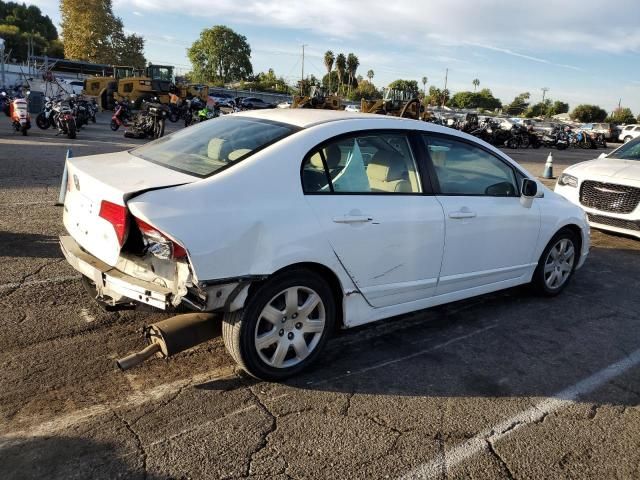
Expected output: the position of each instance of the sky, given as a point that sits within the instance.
(582, 51)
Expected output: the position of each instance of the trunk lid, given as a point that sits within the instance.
(111, 178)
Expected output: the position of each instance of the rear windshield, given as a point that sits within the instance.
(629, 151)
(208, 147)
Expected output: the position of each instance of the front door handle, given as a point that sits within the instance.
(464, 213)
(353, 219)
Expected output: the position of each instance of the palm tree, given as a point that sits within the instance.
(352, 66)
(341, 66)
(424, 85)
(475, 82)
(370, 75)
(329, 58)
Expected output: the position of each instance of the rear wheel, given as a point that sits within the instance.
(114, 125)
(24, 129)
(283, 327)
(557, 264)
(627, 139)
(42, 121)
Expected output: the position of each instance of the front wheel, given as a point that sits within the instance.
(557, 264)
(283, 327)
(24, 129)
(627, 139)
(114, 125)
(42, 121)
(71, 130)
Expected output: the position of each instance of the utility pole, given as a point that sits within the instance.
(444, 92)
(2, 62)
(302, 78)
(544, 92)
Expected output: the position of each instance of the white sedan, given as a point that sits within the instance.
(607, 188)
(292, 223)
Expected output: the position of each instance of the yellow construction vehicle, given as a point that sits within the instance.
(318, 98)
(190, 90)
(155, 81)
(398, 103)
(104, 88)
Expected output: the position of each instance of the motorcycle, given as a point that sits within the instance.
(64, 119)
(149, 121)
(190, 109)
(19, 114)
(121, 115)
(207, 113)
(174, 113)
(45, 118)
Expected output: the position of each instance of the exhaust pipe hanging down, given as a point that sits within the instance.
(172, 336)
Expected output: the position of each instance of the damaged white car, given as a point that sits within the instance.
(291, 223)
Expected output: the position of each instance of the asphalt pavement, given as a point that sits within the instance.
(507, 385)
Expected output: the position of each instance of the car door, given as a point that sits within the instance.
(491, 235)
(386, 229)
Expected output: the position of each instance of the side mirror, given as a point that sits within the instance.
(529, 188)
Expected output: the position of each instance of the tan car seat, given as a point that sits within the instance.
(388, 173)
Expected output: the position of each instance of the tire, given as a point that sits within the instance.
(627, 139)
(561, 146)
(71, 130)
(114, 125)
(24, 129)
(563, 264)
(240, 329)
(174, 117)
(42, 121)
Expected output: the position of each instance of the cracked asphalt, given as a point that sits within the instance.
(507, 385)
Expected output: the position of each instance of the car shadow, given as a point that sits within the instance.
(40, 457)
(29, 245)
(512, 343)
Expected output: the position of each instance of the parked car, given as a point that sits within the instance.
(629, 132)
(607, 188)
(352, 108)
(607, 129)
(222, 99)
(291, 223)
(253, 103)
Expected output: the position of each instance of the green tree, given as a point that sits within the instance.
(366, 90)
(410, 86)
(424, 86)
(21, 24)
(541, 109)
(93, 33)
(558, 107)
(370, 75)
(329, 58)
(220, 54)
(519, 104)
(476, 84)
(621, 115)
(341, 68)
(483, 99)
(588, 113)
(352, 66)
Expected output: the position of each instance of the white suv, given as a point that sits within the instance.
(629, 132)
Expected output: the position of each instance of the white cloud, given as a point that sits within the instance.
(515, 28)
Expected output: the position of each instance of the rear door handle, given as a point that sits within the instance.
(462, 214)
(353, 219)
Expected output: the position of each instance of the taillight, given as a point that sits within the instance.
(158, 244)
(116, 215)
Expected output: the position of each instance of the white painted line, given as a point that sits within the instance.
(10, 286)
(134, 400)
(39, 202)
(561, 399)
(404, 358)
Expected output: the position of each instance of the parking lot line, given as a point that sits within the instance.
(484, 439)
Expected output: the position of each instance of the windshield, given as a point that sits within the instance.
(204, 149)
(629, 151)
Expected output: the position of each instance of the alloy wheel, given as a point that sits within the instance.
(559, 264)
(290, 327)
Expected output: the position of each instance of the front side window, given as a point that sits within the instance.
(363, 163)
(463, 169)
(629, 151)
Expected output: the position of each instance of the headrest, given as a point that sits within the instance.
(214, 149)
(333, 154)
(386, 167)
(316, 161)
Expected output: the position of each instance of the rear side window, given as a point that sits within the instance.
(464, 169)
(363, 163)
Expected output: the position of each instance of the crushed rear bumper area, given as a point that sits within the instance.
(109, 279)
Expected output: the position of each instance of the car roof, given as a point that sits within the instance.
(306, 117)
